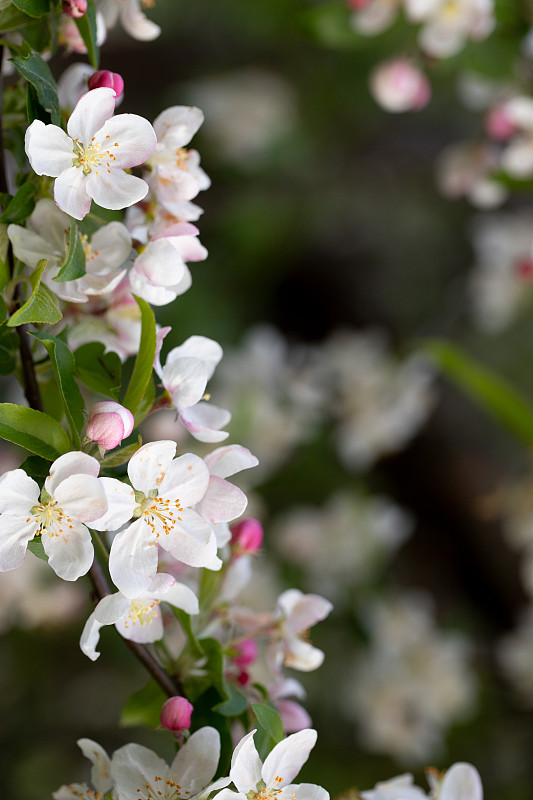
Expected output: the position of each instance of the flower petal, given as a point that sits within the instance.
(143, 630)
(18, 492)
(177, 125)
(149, 464)
(179, 595)
(137, 24)
(226, 461)
(204, 420)
(92, 110)
(120, 505)
(115, 189)
(223, 501)
(186, 478)
(50, 151)
(134, 766)
(70, 555)
(133, 559)
(90, 636)
(130, 140)
(101, 769)
(461, 782)
(192, 542)
(82, 497)
(185, 380)
(288, 757)
(70, 193)
(14, 537)
(196, 762)
(29, 247)
(246, 765)
(73, 463)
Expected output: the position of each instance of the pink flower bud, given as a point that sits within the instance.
(498, 124)
(108, 424)
(247, 651)
(74, 8)
(110, 80)
(397, 85)
(247, 536)
(176, 714)
(524, 269)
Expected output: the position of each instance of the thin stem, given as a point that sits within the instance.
(31, 386)
(169, 686)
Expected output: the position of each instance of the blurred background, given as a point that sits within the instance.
(333, 260)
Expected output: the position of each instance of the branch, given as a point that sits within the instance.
(169, 686)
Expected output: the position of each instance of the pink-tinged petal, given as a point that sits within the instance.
(160, 264)
(70, 554)
(150, 629)
(207, 350)
(50, 151)
(461, 782)
(18, 492)
(155, 295)
(90, 636)
(129, 139)
(179, 595)
(82, 497)
(246, 765)
(304, 791)
(29, 246)
(101, 769)
(186, 479)
(115, 189)
(189, 248)
(223, 501)
(73, 463)
(177, 125)
(226, 461)
(121, 505)
(196, 762)
(112, 242)
(70, 193)
(15, 533)
(185, 380)
(301, 655)
(137, 24)
(111, 608)
(92, 111)
(192, 542)
(149, 464)
(288, 757)
(111, 407)
(134, 766)
(133, 559)
(204, 420)
(293, 716)
(303, 610)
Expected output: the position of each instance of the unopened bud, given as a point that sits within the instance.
(247, 535)
(176, 714)
(247, 651)
(108, 424)
(74, 8)
(110, 80)
(397, 85)
(498, 124)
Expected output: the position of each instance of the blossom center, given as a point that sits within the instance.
(165, 790)
(264, 792)
(141, 613)
(93, 156)
(90, 254)
(52, 519)
(159, 514)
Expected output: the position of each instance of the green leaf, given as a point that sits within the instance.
(235, 705)
(269, 719)
(74, 266)
(9, 345)
(144, 707)
(64, 365)
(33, 430)
(147, 401)
(121, 456)
(214, 666)
(37, 72)
(12, 18)
(184, 619)
(42, 305)
(21, 205)
(4, 267)
(37, 468)
(491, 391)
(87, 28)
(36, 547)
(98, 370)
(34, 8)
(142, 371)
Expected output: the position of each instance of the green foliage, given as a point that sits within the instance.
(21, 205)
(144, 706)
(330, 24)
(87, 28)
(64, 365)
(37, 73)
(142, 371)
(146, 404)
(235, 704)
(99, 371)
(121, 456)
(74, 266)
(37, 468)
(36, 547)
(9, 345)
(41, 306)
(4, 267)
(269, 728)
(491, 391)
(33, 430)
(12, 18)
(34, 8)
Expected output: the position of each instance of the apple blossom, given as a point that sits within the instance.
(72, 84)
(297, 612)
(108, 424)
(255, 780)
(138, 619)
(132, 19)
(517, 157)
(89, 163)
(399, 788)
(74, 8)
(73, 495)
(371, 17)
(69, 35)
(103, 77)
(176, 714)
(141, 775)
(222, 501)
(398, 85)
(446, 24)
(164, 489)
(460, 782)
(100, 775)
(465, 170)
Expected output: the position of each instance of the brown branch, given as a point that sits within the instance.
(169, 686)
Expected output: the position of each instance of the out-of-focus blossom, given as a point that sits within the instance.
(515, 656)
(399, 788)
(74, 8)
(398, 85)
(412, 683)
(517, 157)
(501, 285)
(108, 424)
(448, 24)
(460, 782)
(249, 112)
(371, 17)
(297, 612)
(100, 774)
(464, 170)
(72, 84)
(70, 38)
(88, 163)
(132, 18)
(344, 543)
